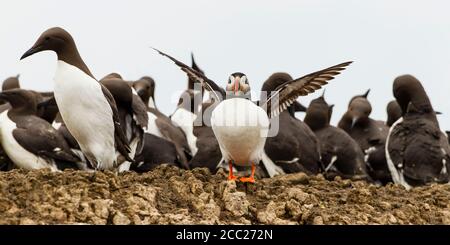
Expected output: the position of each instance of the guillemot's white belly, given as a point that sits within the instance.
(185, 120)
(241, 128)
(397, 175)
(19, 155)
(86, 113)
(152, 128)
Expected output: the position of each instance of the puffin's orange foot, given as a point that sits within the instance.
(250, 179)
(230, 173)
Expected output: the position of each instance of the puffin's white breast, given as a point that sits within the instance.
(86, 113)
(19, 155)
(241, 128)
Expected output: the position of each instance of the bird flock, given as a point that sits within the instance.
(114, 124)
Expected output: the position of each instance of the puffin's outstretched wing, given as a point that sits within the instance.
(208, 84)
(287, 93)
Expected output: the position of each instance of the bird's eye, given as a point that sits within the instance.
(47, 38)
(230, 80)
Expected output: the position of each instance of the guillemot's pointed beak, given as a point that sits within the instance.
(140, 92)
(31, 51)
(354, 121)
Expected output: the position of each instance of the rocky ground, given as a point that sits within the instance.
(169, 195)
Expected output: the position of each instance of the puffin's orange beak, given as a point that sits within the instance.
(236, 85)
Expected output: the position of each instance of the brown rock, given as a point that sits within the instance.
(120, 219)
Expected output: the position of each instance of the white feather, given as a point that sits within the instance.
(152, 128)
(151, 103)
(185, 120)
(86, 113)
(19, 155)
(271, 168)
(333, 160)
(241, 128)
(397, 175)
(289, 162)
(56, 125)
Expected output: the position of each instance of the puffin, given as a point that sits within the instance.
(370, 134)
(86, 106)
(239, 125)
(30, 141)
(340, 153)
(417, 150)
(295, 148)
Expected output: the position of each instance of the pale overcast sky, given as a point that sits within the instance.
(384, 38)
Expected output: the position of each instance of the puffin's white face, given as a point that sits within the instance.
(238, 84)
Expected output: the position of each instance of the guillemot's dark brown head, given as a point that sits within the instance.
(318, 113)
(274, 81)
(112, 75)
(359, 111)
(11, 83)
(61, 42)
(145, 88)
(394, 112)
(410, 95)
(120, 91)
(365, 95)
(21, 100)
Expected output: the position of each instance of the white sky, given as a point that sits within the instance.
(384, 38)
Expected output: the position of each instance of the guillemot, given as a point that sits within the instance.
(29, 141)
(417, 150)
(80, 96)
(132, 115)
(9, 83)
(341, 155)
(145, 88)
(188, 109)
(394, 112)
(370, 134)
(295, 148)
(240, 126)
(160, 125)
